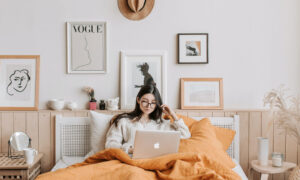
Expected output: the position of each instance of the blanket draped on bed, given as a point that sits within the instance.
(116, 164)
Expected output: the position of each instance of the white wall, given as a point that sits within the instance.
(253, 44)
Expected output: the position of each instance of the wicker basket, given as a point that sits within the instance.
(295, 174)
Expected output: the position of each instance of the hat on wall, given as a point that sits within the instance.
(136, 9)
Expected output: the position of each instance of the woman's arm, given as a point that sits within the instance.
(178, 124)
(115, 136)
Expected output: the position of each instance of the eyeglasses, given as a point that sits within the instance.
(146, 104)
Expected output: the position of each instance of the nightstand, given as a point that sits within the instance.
(18, 169)
(269, 169)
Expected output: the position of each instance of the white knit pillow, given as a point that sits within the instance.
(99, 128)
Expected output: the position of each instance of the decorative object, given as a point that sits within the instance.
(193, 48)
(18, 141)
(87, 47)
(18, 169)
(102, 105)
(139, 68)
(56, 104)
(262, 151)
(201, 93)
(19, 82)
(135, 9)
(268, 169)
(71, 105)
(286, 114)
(29, 153)
(93, 105)
(93, 101)
(112, 104)
(277, 159)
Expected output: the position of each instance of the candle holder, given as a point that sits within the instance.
(277, 159)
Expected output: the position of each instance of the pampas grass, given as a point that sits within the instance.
(285, 110)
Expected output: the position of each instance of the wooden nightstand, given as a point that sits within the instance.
(269, 169)
(18, 169)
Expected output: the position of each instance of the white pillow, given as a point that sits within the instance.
(99, 128)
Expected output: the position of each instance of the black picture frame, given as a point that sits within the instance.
(192, 48)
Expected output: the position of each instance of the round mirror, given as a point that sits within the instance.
(19, 141)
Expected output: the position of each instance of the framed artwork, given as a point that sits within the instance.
(193, 48)
(87, 47)
(139, 68)
(201, 93)
(19, 82)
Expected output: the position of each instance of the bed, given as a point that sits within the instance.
(73, 140)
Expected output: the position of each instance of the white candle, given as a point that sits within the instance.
(277, 161)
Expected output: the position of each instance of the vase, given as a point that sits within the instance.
(93, 105)
(262, 151)
(295, 174)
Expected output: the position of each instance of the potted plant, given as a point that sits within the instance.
(93, 101)
(286, 112)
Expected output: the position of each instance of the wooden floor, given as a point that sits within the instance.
(39, 125)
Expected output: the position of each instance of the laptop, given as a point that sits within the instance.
(150, 144)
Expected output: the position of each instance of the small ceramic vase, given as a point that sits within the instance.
(93, 105)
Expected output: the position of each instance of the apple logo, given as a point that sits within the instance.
(156, 145)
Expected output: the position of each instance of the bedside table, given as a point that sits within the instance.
(269, 169)
(18, 169)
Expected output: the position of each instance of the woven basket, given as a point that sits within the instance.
(295, 174)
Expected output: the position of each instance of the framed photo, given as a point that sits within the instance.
(139, 68)
(201, 93)
(193, 48)
(87, 47)
(19, 82)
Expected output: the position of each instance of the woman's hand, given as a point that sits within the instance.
(168, 111)
(130, 150)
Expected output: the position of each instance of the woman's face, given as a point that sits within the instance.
(147, 103)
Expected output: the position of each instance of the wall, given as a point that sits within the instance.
(253, 44)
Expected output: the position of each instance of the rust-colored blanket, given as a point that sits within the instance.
(116, 164)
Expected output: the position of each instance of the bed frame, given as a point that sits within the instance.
(72, 135)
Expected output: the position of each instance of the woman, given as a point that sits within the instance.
(146, 116)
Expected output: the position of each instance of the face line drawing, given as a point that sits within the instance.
(18, 81)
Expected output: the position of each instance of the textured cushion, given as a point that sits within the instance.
(99, 127)
(204, 140)
(224, 135)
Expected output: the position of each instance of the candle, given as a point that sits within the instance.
(277, 159)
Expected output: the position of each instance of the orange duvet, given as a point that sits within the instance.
(116, 164)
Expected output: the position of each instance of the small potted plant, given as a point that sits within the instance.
(93, 101)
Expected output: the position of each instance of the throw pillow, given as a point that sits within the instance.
(224, 135)
(99, 127)
(204, 140)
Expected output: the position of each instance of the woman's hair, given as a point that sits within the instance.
(137, 113)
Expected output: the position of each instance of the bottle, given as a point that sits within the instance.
(102, 105)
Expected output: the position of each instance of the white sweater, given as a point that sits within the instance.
(123, 135)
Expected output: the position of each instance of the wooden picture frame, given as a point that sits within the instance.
(19, 82)
(192, 48)
(87, 47)
(201, 93)
(138, 67)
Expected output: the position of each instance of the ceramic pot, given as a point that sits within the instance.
(93, 105)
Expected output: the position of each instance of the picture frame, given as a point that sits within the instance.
(87, 47)
(19, 82)
(138, 67)
(192, 48)
(201, 93)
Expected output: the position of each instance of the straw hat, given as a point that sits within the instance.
(135, 9)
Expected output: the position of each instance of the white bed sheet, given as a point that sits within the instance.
(69, 160)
